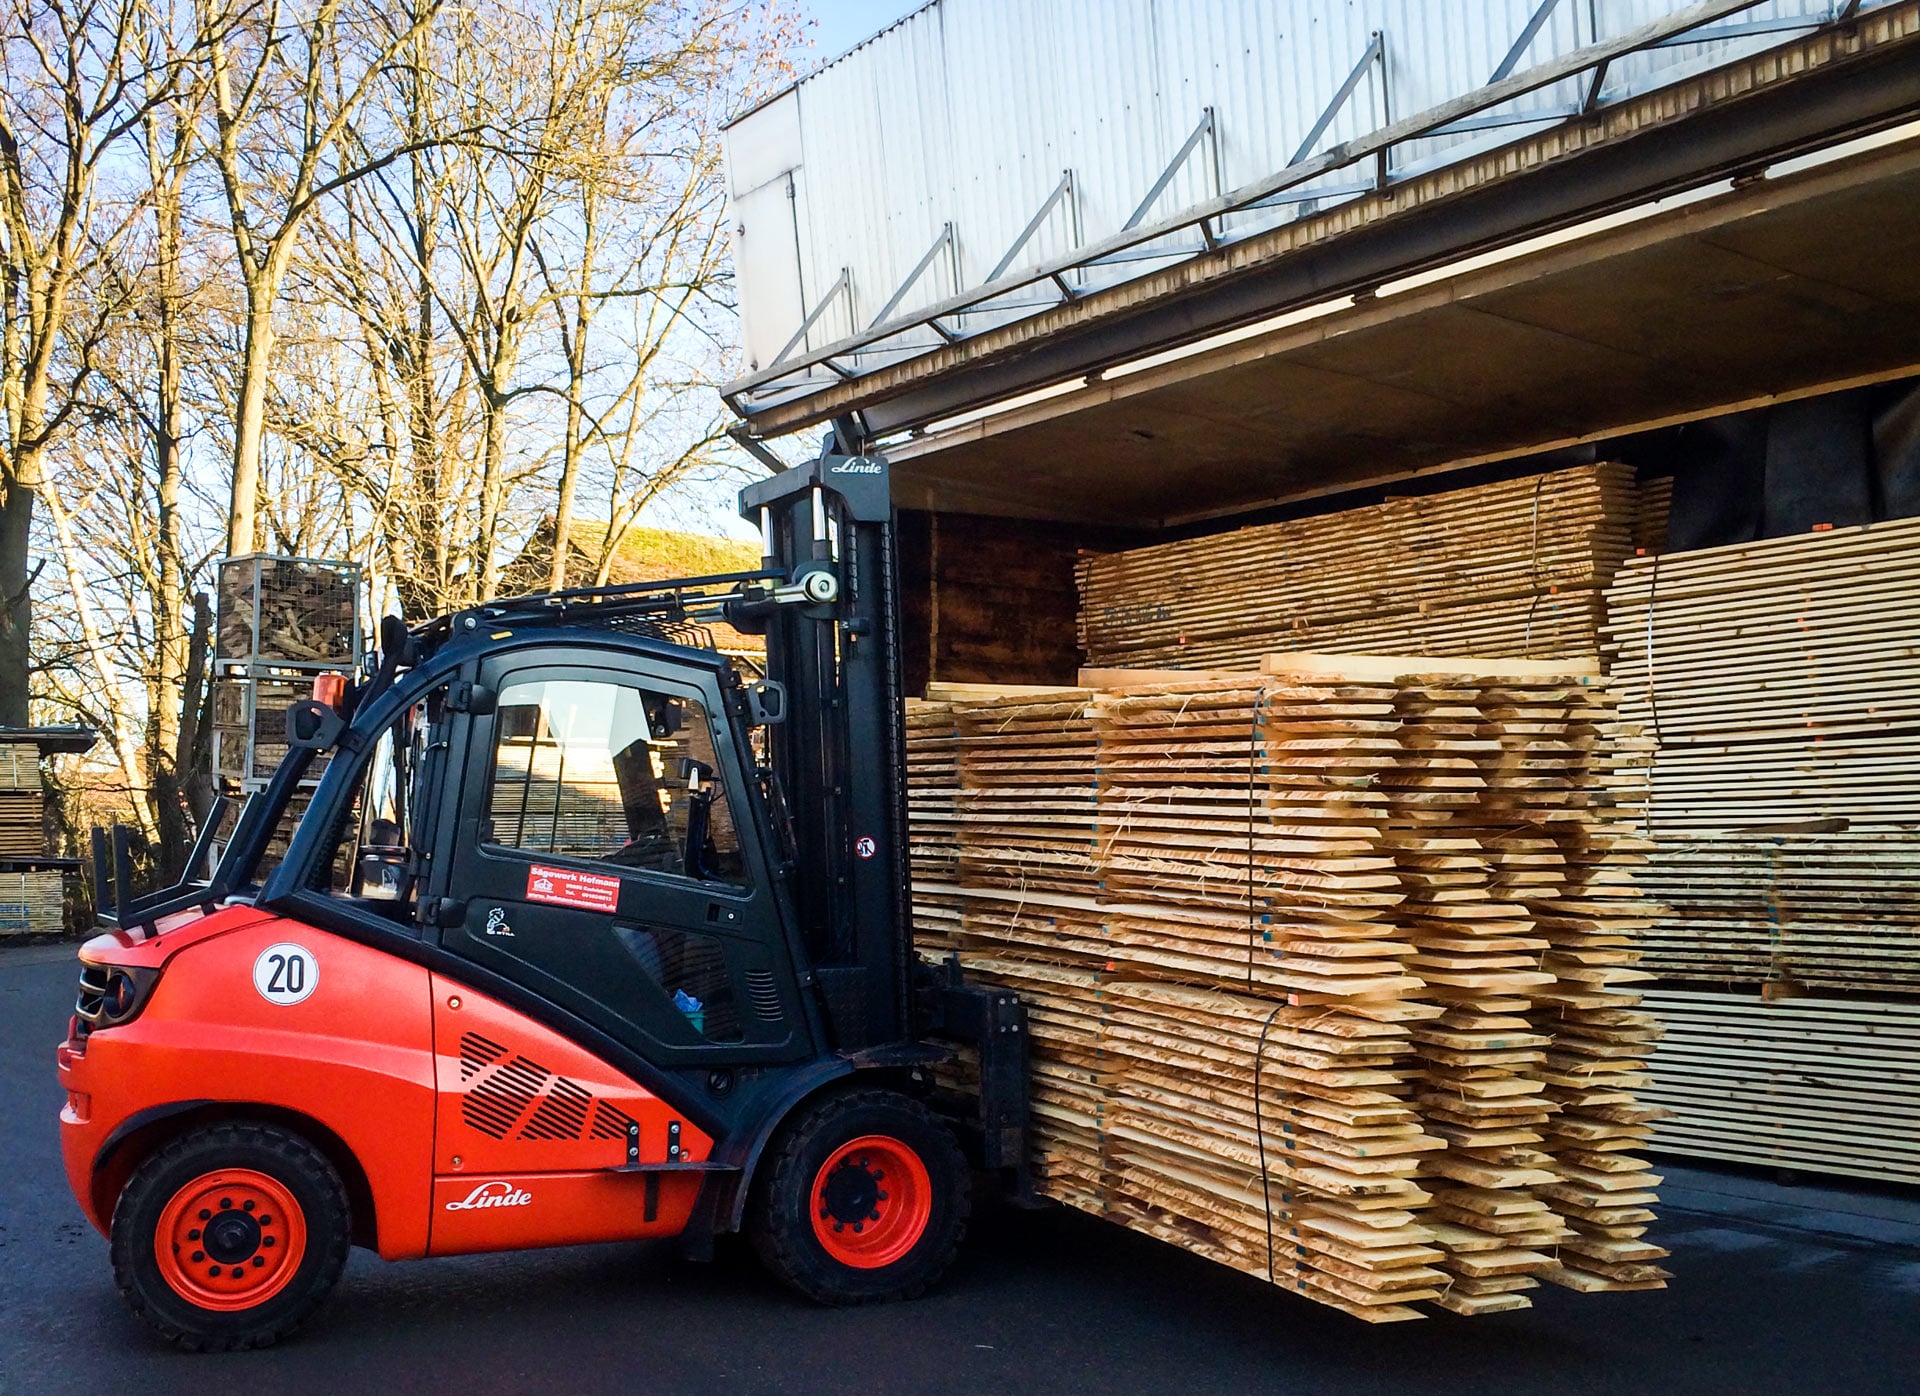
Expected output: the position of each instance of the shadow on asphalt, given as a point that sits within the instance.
(1776, 1290)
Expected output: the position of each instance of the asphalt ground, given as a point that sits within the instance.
(1777, 1289)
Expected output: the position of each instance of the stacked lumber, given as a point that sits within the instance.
(32, 902)
(1784, 802)
(1481, 1089)
(1511, 568)
(1825, 1085)
(1068, 1081)
(1341, 1001)
(933, 819)
(1599, 1036)
(1243, 841)
(22, 831)
(1026, 801)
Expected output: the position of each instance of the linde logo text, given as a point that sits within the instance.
(494, 1194)
(855, 467)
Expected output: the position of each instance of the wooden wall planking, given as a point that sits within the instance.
(992, 600)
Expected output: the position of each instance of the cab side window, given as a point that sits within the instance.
(379, 839)
(612, 772)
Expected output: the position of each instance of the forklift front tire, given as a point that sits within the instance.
(230, 1236)
(863, 1199)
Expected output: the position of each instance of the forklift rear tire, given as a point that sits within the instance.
(862, 1199)
(230, 1236)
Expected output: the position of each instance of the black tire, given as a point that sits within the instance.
(781, 1219)
(290, 1162)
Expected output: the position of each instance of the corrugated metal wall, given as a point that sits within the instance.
(968, 111)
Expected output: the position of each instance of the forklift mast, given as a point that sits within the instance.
(840, 753)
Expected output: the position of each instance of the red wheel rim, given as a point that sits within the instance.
(230, 1239)
(872, 1200)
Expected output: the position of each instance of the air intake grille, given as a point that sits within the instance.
(764, 993)
(477, 1054)
(562, 1115)
(503, 1097)
(505, 1089)
(609, 1122)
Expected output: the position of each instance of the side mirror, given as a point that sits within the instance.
(767, 703)
(314, 726)
(694, 773)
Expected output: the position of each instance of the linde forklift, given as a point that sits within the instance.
(586, 934)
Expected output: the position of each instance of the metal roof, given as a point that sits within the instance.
(983, 164)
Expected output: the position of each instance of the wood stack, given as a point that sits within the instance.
(1599, 1039)
(1069, 1081)
(1243, 839)
(32, 902)
(1026, 803)
(22, 829)
(1481, 1086)
(1782, 680)
(1825, 1085)
(933, 820)
(1333, 999)
(1511, 568)
(1782, 815)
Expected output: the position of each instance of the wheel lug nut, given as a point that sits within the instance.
(839, 1226)
(266, 1240)
(199, 1256)
(873, 1216)
(194, 1235)
(259, 1260)
(247, 1206)
(213, 1269)
(882, 1196)
(205, 1215)
(859, 1226)
(226, 1204)
(265, 1220)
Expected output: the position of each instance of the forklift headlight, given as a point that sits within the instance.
(111, 995)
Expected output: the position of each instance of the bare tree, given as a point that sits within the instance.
(80, 78)
(287, 93)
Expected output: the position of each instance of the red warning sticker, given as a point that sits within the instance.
(564, 887)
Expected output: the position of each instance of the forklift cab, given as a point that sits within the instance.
(578, 815)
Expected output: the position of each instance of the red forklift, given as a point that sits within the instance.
(587, 933)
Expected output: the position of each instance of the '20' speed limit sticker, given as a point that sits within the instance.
(286, 973)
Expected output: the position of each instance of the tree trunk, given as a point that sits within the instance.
(493, 465)
(249, 424)
(167, 696)
(16, 606)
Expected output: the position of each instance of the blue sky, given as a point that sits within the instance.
(840, 24)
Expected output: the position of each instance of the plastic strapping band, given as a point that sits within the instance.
(1260, 1134)
(1253, 766)
(1533, 568)
(1653, 705)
